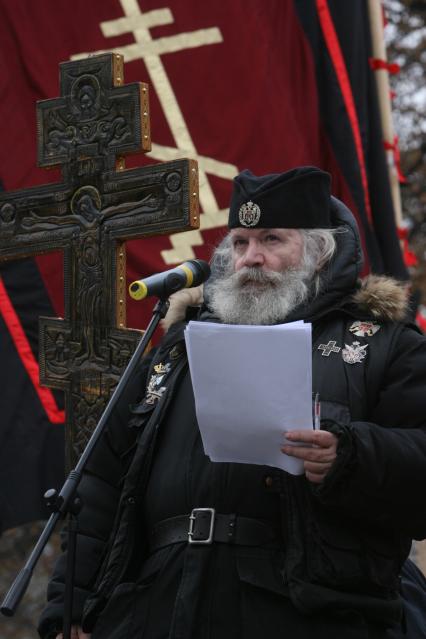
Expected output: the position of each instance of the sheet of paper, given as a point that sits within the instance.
(251, 384)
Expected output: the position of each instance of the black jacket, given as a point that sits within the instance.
(344, 542)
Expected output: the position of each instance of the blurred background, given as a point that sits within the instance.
(405, 35)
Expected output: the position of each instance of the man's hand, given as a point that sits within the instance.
(318, 459)
(76, 633)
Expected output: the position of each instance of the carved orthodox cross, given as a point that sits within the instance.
(89, 215)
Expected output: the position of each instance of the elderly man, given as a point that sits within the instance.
(317, 555)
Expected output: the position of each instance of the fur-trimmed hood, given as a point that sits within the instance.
(383, 298)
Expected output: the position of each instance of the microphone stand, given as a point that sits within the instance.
(67, 501)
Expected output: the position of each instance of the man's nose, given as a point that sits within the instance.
(254, 255)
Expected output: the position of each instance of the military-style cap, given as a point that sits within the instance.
(299, 199)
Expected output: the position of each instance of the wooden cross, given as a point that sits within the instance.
(89, 215)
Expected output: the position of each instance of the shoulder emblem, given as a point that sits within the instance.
(354, 353)
(364, 329)
(154, 389)
(162, 369)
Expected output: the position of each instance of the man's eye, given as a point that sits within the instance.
(272, 238)
(238, 243)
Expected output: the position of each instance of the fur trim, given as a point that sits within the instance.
(384, 298)
(179, 302)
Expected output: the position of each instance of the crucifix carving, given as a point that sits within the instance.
(89, 215)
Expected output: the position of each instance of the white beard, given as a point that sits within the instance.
(254, 296)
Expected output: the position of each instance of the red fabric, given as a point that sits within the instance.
(397, 158)
(421, 321)
(377, 63)
(20, 340)
(336, 55)
(410, 258)
(384, 17)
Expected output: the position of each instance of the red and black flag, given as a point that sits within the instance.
(234, 85)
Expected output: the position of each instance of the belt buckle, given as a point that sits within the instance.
(192, 518)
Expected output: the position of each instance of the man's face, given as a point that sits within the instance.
(267, 249)
(266, 274)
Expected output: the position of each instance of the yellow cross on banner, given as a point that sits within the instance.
(149, 50)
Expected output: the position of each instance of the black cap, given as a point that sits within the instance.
(299, 199)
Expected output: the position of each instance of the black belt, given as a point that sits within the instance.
(204, 526)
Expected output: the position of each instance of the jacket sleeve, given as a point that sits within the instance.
(380, 470)
(99, 491)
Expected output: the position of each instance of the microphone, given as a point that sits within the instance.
(186, 275)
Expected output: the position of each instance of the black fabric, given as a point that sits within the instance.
(340, 277)
(351, 23)
(31, 448)
(413, 589)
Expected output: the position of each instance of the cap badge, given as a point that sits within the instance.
(364, 329)
(354, 353)
(249, 214)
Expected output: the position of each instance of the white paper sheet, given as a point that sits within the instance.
(251, 385)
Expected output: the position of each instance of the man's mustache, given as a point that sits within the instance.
(251, 274)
